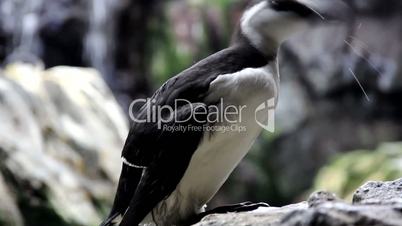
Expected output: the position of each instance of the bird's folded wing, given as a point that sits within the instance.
(165, 155)
(152, 141)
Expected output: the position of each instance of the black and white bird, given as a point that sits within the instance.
(168, 176)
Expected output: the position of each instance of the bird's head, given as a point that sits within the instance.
(269, 23)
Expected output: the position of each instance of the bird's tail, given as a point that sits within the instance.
(129, 179)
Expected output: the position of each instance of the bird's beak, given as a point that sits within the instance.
(328, 10)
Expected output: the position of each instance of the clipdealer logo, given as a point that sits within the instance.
(267, 107)
(214, 118)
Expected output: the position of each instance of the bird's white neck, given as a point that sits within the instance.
(267, 29)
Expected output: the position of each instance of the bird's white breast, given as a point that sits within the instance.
(218, 154)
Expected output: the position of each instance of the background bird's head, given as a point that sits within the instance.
(269, 23)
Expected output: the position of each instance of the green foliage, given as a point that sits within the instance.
(349, 171)
(223, 6)
(168, 59)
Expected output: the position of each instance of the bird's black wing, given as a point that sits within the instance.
(129, 179)
(191, 85)
(164, 172)
(165, 155)
(161, 158)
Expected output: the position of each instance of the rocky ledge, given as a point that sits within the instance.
(375, 203)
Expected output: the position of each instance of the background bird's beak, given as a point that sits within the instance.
(328, 10)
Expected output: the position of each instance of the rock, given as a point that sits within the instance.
(326, 209)
(320, 197)
(379, 193)
(262, 216)
(80, 33)
(376, 204)
(60, 141)
(335, 214)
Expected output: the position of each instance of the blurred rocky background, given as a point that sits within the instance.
(62, 126)
(61, 133)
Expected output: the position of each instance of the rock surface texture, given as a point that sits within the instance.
(374, 204)
(61, 133)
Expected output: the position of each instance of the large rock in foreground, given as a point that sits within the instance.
(61, 133)
(375, 203)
